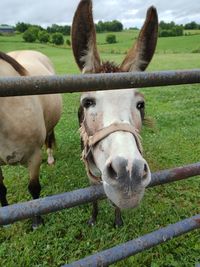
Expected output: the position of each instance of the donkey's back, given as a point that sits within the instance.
(38, 64)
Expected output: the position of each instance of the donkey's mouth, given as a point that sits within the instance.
(122, 199)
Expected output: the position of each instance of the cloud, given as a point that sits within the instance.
(40, 12)
(130, 12)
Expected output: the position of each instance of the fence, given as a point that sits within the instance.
(20, 86)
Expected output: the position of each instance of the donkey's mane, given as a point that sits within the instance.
(109, 67)
(18, 67)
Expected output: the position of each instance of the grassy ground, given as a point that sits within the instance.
(191, 32)
(174, 141)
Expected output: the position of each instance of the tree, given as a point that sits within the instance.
(100, 27)
(109, 26)
(53, 29)
(57, 38)
(29, 36)
(177, 30)
(115, 26)
(191, 26)
(170, 29)
(167, 26)
(111, 39)
(68, 42)
(164, 33)
(22, 27)
(65, 30)
(35, 29)
(43, 37)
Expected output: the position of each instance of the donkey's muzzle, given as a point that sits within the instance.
(125, 182)
(132, 175)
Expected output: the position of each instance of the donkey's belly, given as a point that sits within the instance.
(12, 152)
(12, 158)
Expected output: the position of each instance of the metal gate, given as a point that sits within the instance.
(18, 86)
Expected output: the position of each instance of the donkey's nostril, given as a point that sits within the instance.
(111, 172)
(145, 172)
(116, 168)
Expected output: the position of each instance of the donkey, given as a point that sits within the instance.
(110, 121)
(27, 123)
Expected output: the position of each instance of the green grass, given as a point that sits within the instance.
(182, 44)
(172, 45)
(191, 32)
(174, 141)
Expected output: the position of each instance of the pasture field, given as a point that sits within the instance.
(174, 141)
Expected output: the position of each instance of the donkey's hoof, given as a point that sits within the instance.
(50, 161)
(118, 223)
(37, 222)
(91, 222)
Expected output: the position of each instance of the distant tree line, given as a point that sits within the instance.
(192, 26)
(65, 30)
(33, 33)
(109, 26)
(172, 29)
(55, 33)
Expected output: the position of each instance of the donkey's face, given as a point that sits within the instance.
(111, 120)
(117, 157)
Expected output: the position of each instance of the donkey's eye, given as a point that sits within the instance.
(88, 102)
(140, 105)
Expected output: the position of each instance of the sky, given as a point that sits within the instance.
(130, 12)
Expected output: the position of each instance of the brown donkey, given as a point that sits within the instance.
(27, 123)
(111, 120)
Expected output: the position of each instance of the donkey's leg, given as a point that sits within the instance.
(3, 191)
(118, 217)
(95, 211)
(50, 142)
(34, 186)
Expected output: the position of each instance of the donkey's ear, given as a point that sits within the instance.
(142, 52)
(84, 38)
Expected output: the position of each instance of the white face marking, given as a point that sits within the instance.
(105, 108)
(113, 106)
(109, 107)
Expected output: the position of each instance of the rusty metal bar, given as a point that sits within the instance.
(130, 248)
(20, 211)
(16, 86)
(175, 174)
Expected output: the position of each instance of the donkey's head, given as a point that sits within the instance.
(111, 120)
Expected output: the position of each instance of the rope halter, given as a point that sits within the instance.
(91, 140)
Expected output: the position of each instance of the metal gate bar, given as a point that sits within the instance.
(20, 211)
(130, 248)
(18, 86)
